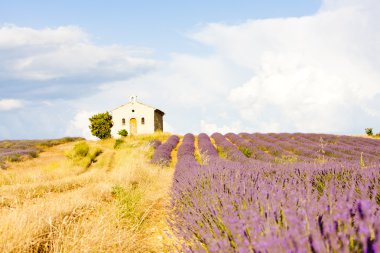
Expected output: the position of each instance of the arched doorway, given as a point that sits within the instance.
(133, 126)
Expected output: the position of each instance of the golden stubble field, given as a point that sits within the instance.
(117, 204)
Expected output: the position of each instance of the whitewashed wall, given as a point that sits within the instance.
(140, 111)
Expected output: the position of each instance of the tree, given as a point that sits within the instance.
(101, 125)
(369, 131)
(123, 133)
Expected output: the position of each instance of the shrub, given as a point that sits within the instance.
(83, 155)
(117, 144)
(123, 133)
(33, 154)
(101, 125)
(80, 149)
(369, 131)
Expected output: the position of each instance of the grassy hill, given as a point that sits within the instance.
(108, 199)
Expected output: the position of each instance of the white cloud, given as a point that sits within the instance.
(53, 60)
(10, 104)
(314, 73)
(14, 36)
(79, 126)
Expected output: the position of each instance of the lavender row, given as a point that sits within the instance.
(305, 152)
(210, 156)
(185, 154)
(252, 149)
(162, 155)
(227, 149)
(206, 148)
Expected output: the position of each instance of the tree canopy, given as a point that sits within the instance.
(101, 124)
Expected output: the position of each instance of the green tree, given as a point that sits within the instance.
(101, 125)
(369, 131)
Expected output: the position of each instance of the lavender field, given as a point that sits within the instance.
(275, 192)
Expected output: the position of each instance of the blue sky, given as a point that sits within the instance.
(158, 25)
(267, 66)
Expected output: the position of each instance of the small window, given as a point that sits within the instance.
(142, 121)
(133, 110)
(123, 121)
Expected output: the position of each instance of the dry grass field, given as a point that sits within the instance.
(110, 200)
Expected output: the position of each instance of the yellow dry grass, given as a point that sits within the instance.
(118, 204)
(174, 152)
(197, 154)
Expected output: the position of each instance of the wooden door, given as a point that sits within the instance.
(133, 126)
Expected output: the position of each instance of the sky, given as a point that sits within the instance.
(227, 66)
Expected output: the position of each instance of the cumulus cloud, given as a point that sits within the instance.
(315, 73)
(78, 126)
(14, 36)
(62, 62)
(10, 104)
